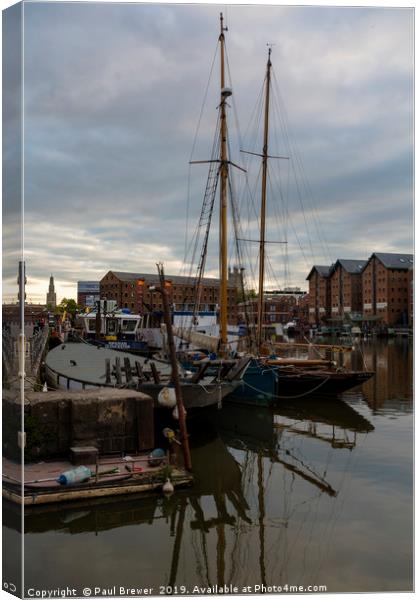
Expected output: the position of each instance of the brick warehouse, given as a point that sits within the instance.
(279, 307)
(388, 288)
(319, 294)
(346, 288)
(379, 290)
(132, 290)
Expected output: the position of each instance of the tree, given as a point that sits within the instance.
(251, 294)
(69, 306)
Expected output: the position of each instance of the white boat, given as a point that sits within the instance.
(118, 330)
(78, 366)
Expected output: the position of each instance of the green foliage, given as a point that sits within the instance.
(69, 306)
(251, 294)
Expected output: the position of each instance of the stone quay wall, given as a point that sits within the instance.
(113, 420)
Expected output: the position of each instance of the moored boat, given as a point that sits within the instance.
(269, 379)
(116, 330)
(79, 366)
(109, 477)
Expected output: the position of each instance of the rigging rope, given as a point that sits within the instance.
(193, 149)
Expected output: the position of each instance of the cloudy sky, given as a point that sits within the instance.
(112, 100)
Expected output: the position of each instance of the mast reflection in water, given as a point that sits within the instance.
(316, 492)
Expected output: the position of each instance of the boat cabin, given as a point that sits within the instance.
(119, 330)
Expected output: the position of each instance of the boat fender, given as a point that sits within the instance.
(167, 487)
(175, 413)
(156, 457)
(167, 397)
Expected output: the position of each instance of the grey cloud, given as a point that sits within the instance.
(113, 95)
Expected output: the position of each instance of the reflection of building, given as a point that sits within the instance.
(51, 295)
(387, 288)
(88, 292)
(392, 385)
(132, 290)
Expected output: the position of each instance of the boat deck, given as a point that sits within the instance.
(135, 475)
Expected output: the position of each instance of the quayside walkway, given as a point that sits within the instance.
(28, 351)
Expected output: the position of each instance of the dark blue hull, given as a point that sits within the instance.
(265, 386)
(258, 386)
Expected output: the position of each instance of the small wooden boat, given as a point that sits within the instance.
(41, 486)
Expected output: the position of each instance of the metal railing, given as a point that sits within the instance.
(35, 347)
(9, 350)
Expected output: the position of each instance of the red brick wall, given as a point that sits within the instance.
(387, 293)
(137, 296)
(346, 292)
(319, 302)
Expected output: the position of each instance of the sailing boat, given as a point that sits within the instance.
(263, 378)
(218, 176)
(270, 379)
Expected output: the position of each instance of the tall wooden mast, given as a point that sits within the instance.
(260, 310)
(223, 267)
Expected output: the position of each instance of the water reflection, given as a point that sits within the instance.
(392, 361)
(301, 495)
(240, 449)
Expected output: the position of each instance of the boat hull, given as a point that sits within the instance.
(267, 386)
(258, 385)
(194, 395)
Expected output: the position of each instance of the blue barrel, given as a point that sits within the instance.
(77, 475)
(156, 457)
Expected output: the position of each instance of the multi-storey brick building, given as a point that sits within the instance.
(303, 310)
(411, 298)
(279, 308)
(346, 288)
(387, 288)
(133, 291)
(319, 300)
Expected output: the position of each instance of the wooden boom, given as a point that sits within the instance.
(332, 347)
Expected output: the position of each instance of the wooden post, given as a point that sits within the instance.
(200, 373)
(118, 375)
(107, 370)
(139, 371)
(127, 367)
(175, 374)
(98, 320)
(155, 372)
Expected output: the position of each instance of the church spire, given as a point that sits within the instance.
(51, 295)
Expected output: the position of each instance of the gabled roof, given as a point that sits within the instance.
(394, 261)
(124, 276)
(154, 278)
(352, 266)
(321, 270)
